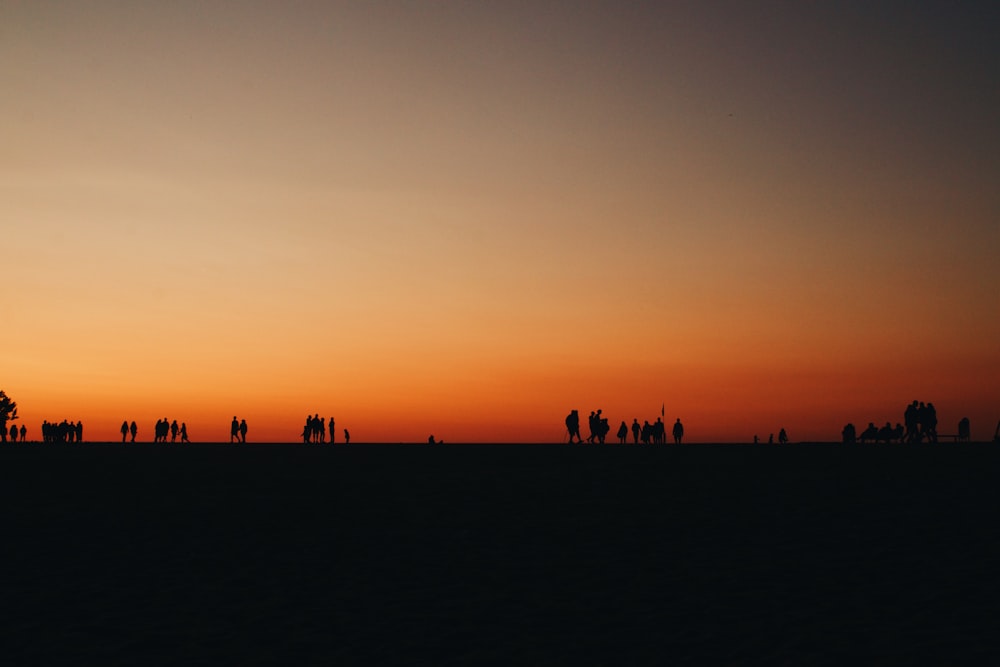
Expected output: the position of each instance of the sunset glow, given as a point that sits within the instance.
(467, 219)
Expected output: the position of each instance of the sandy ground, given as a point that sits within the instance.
(537, 555)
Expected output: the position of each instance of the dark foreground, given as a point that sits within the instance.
(539, 555)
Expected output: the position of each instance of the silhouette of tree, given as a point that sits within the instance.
(8, 412)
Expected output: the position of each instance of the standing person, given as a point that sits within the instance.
(13, 433)
(243, 430)
(332, 432)
(678, 431)
(173, 431)
(24, 432)
(234, 431)
(124, 430)
(622, 433)
(635, 431)
(347, 437)
(782, 437)
(184, 432)
(573, 426)
(79, 431)
(322, 430)
(133, 429)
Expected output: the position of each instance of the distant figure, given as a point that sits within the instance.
(622, 433)
(332, 432)
(321, 429)
(24, 432)
(173, 431)
(13, 433)
(347, 436)
(124, 430)
(678, 431)
(782, 437)
(770, 439)
(756, 440)
(134, 430)
(910, 418)
(184, 432)
(964, 430)
(234, 430)
(573, 426)
(431, 441)
(870, 433)
(635, 431)
(849, 435)
(79, 431)
(930, 423)
(243, 430)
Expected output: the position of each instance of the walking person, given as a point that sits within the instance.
(234, 431)
(243, 430)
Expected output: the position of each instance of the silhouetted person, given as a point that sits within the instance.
(770, 439)
(782, 437)
(964, 430)
(134, 430)
(13, 433)
(910, 418)
(347, 437)
(174, 428)
(431, 441)
(756, 440)
(849, 435)
(332, 432)
(573, 426)
(234, 431)
(184, 432)
(659, 432)
(678, 431)
(321, 430)
(243, 430)
(930, 422)
(622, 433)
(870, 433)
(24, 432)
(591, 428)
(635, 431)
(124, 430)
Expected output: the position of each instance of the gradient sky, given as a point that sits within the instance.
(467, 218)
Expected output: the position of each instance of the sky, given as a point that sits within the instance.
(468, 218)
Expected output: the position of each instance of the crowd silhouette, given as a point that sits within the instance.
(314, 430)
(920, 424)
(64, 431)
(598, 428)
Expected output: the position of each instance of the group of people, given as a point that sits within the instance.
(14, 432)
(598, 427)
(165, 428)
(64, 431)
(238, 430)
(315, 430)
(920, 424)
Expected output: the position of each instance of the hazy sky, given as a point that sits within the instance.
(468, 218)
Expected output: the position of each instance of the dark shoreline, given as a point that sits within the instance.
(499, 554)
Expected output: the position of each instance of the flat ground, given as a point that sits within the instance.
(499, 554)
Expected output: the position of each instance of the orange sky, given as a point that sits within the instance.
(466, 219)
